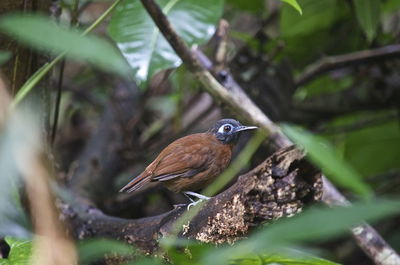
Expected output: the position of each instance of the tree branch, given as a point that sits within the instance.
(334, 62)
(240, 104)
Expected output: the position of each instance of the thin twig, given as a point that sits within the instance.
(58, 102)
(369, 240)
(334, 62)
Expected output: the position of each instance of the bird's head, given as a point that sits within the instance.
(228, 130)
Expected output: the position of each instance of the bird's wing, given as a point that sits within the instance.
(184, 158)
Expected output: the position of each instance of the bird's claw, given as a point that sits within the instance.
(193, 204)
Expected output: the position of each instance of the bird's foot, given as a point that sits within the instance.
(197, 195)
(193, 204)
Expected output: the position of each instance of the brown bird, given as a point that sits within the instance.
(192, 162)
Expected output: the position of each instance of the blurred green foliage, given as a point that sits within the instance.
(43, 34)
(95, 249)
(313, 28)
(327, 158)
(13, 221)
(368, 15)
(372, 150)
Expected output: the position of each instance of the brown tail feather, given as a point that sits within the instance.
(136, 183)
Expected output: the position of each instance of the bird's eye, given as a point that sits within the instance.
(227, 128)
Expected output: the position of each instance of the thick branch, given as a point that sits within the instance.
(240, 103)
(334, 62)
(280, 186)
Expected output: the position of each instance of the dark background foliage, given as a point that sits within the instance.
(110, 92)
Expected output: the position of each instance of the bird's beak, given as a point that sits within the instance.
(245, 128)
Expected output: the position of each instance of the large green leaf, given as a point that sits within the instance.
(20, 252)
(310, 226)
(324, 154)
(42, 33)
(143, 45)
(368, 16)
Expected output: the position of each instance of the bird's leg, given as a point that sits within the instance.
(194, 194)
(197, 195)
(187, 196)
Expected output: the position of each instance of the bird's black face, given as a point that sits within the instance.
(228, 130)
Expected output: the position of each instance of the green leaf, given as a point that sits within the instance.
(317, 15)
(144, 47)
(43, 34)
(286, 256)
(368, 16)
(310, 226)
(326, 157)
(294, 4)
(4, 56)
(20, 252)
(94, 249)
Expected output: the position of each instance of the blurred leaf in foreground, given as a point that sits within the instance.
(43, 34)
(95, 249)
(313, 225)
(20, 252)
(286, 256)
(13, 221)
(326, 157)
(142, 44)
